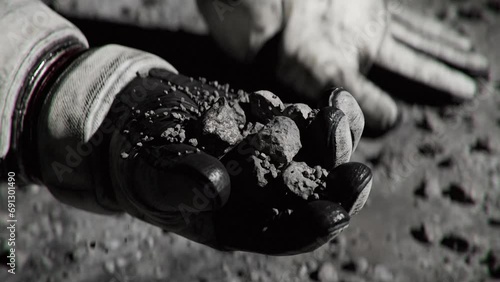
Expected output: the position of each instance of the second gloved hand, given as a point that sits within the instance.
(333, 42)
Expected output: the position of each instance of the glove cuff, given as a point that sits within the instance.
(73, 128)
(34, 41)
(35, 45)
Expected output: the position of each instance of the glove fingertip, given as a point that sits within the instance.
(350, 184)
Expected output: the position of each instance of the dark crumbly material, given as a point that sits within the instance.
(215, 119)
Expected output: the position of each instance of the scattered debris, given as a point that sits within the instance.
(175, 134)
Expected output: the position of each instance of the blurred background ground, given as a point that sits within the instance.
(434, 212)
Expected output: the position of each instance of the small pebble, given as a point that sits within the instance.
(426, 233)
(318, 172)
(193, 142)
(328, 273)
(265, 105)
(358, 265)
(382, 274)
(114, 244)
(121, 262)
(428, 188)
(303, 271)
(109, 266)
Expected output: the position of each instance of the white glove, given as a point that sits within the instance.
(330, 42)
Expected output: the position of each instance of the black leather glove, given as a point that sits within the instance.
(114, 129)
(211, 192)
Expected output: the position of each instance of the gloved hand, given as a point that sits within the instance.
(95, 127)
(114, 134)
(332, 42)
(215, 200)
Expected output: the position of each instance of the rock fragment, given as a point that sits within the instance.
(328, 273)
(297, 179)
(280, 139)
(109, 266)
(426, 233)
(428, 188)
(358, 265)
(220, 126)
(175, 134)
(254, 128)
(381, 273)
(299, 113)
(263, 170)
(265, 105)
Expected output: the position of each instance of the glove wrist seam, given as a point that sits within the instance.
(22, 156)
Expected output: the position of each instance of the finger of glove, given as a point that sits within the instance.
(343, 100)
(379, 109)
(305, 229)
(350, 185)
(327, 141)
(470, 61)
(171, 177)
(432, 29)
(403, 60)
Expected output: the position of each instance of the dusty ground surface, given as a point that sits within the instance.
(434, 212)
